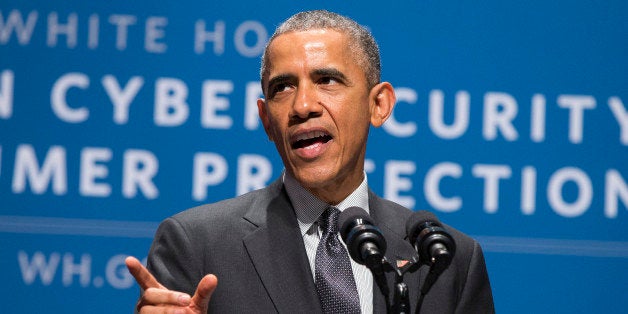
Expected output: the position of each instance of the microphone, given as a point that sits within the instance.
(434, 244)
(365, 243)
(436, 247)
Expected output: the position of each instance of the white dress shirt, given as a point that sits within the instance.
(308, 209)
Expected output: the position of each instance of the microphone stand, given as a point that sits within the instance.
(401, 297)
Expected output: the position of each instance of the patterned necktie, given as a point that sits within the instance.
(334, 278)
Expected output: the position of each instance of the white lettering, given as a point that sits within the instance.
(240, 38)
(437, 116)
(70, 30)
(212, 104)
(93, 31)
(576, 105)
(555, 192)
(615, 189)
(491, 174)
(537, 123)
(116, 273)
(122, 23)
(395, 183)
(620, 113)
(6, 94)
(209, 169)
(91, 170)
(83, 269)
(432, 191)
(154, 32)
(528, 190)
(140, 167)
(121, 98)
(15, 22)
(58, 98)
(27, 169)
(392, 125)
(171, 108)
(369, 166)
(38, 266)
(499, 111)
(201, 36)
(254, 172)
(251, 116)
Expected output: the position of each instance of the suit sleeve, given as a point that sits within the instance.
(172, 259)
(476, 294)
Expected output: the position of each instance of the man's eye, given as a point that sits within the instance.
(278, 88)
(328, 80)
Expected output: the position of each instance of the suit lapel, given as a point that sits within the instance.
(279, 257)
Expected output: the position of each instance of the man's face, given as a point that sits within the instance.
(317, 111)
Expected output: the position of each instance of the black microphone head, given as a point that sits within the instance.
(430, 239)
(357, 229)
(416, 222)
(348, 217)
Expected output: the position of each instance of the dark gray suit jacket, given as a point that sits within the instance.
(253, 245)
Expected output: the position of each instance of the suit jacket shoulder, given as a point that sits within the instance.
(463, 288)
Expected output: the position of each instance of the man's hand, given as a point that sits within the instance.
(158, 299)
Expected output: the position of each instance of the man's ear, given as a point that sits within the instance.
(263, 115)
(381, 103)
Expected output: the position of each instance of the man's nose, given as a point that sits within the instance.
(306, 103)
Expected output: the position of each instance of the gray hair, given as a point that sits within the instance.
(361, 42)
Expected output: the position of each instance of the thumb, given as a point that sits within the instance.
(203, 293)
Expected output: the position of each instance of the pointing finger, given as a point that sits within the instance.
(143, 277)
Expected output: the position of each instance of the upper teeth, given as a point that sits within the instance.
(309, 135)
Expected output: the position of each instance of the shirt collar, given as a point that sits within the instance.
(308, 207)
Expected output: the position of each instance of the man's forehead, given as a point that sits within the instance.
(297, 46)
(308, 39)
(327, 41)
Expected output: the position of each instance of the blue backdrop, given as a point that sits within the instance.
(511, 124)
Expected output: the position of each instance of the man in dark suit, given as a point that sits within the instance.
(321, 82)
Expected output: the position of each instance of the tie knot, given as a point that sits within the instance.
(329, 220)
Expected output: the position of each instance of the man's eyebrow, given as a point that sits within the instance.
(280, 79)
(333, 72)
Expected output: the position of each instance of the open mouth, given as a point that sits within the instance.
(310, 139)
